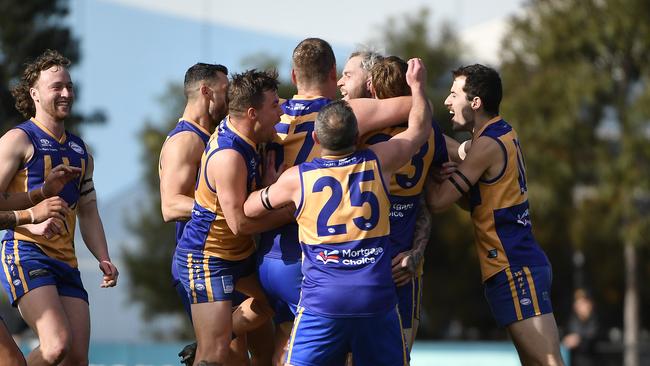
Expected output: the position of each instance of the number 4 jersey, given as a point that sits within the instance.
(499, 206)
(343, 231)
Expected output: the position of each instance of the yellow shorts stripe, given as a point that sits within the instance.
(533, 292)
(191, 276)
(293, 333)
(20, 269)
(513, 290)
(401, 333)
(208, 283)
(7, 275)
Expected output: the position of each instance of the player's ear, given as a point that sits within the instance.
(34, 94)
(293, 76)
(476, 103)
(251, 113)
(315, 137)
(371, 88)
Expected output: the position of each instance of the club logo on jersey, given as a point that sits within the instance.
(328, 256)
(525, 301)
(199, 287)
(227, 284)
(17, 282)
(74, 146)
(524, 218)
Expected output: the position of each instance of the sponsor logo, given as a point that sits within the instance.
(492, 253)
(45, 143)
(350, 257)
(36, 273)
(525, 301)
(199, 287)
(299, 107)
(328, 257)
(74, 146)
(17, 282)
(524, 218)
(228, 284)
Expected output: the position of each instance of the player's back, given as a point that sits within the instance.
(343, 229)
(407, 183)
(207, 230)
(48, 153)
(294, 145)
(500, 211)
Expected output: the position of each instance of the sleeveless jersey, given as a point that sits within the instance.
(408, 182)
(343, 230)
(499, 208)
(207, 230)
(294, 145)
(184, 125)
(48, 153)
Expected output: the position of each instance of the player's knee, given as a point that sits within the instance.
(54, 350)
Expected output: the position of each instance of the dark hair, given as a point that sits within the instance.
(336, 126)
(201, 72)
(313, 59)
(247, 89)
(24, 103)
(389, 78)
(483, 82)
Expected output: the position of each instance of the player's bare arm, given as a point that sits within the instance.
(92, 229)
(405, 264)
(397, 151)
(178, 163)
(376, 114)
(230, 184)
(286, 191)
(485, 158)
(15, 149)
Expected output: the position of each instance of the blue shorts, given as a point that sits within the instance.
(26, 267)
(409, 298)
(207, 278)
(320, 341)
(281, 282)
(519, 292)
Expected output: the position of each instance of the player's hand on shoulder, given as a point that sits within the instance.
(110, 274)
(441, 173)
(53, 207)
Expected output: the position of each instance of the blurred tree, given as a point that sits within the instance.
(26, 30)
(576, 77)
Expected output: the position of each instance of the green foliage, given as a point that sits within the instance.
(26, 30)
(576, 86)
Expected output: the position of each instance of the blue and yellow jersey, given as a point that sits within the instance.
(185, 125)
(407, 183)
(500, 210)
(343, 230)
(207, 230)
(48, 153)
(293, 146)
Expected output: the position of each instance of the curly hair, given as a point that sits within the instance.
(24, 103)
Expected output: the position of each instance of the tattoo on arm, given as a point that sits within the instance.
(7, 220)
(421, 235)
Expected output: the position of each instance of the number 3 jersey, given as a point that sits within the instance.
(408, 182)
(500, 212)
(343, 231)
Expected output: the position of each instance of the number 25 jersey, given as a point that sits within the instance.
(343, 231)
